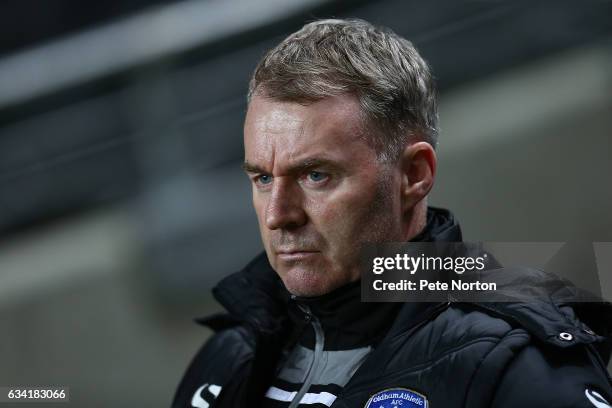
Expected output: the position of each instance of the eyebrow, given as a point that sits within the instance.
(297, 168)
(251, 168)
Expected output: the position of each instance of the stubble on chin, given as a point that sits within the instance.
(307, 278)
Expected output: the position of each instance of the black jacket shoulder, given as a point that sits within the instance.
(224, 354)
(553, 377)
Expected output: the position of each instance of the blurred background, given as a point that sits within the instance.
(122, 200)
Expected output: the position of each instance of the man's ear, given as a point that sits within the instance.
(418, 165)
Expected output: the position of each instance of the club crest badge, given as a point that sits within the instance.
(397, 397)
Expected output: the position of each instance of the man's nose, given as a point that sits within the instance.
(284, 209)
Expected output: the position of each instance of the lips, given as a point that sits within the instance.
(295, 255)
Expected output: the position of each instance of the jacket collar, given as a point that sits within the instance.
(254, 296)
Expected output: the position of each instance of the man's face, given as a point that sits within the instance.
(318, 190)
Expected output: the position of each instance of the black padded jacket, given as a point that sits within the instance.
(538, 354)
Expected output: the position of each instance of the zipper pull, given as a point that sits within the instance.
(307, 313)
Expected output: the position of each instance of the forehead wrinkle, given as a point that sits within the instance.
(276, 127)
(308, 146)
(278, 122)
(295, 146)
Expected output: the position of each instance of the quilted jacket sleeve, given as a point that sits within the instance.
(554, 377)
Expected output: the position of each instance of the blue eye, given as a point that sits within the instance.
(264, 179)
(316, 176)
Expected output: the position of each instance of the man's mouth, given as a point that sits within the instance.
(295, 255)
